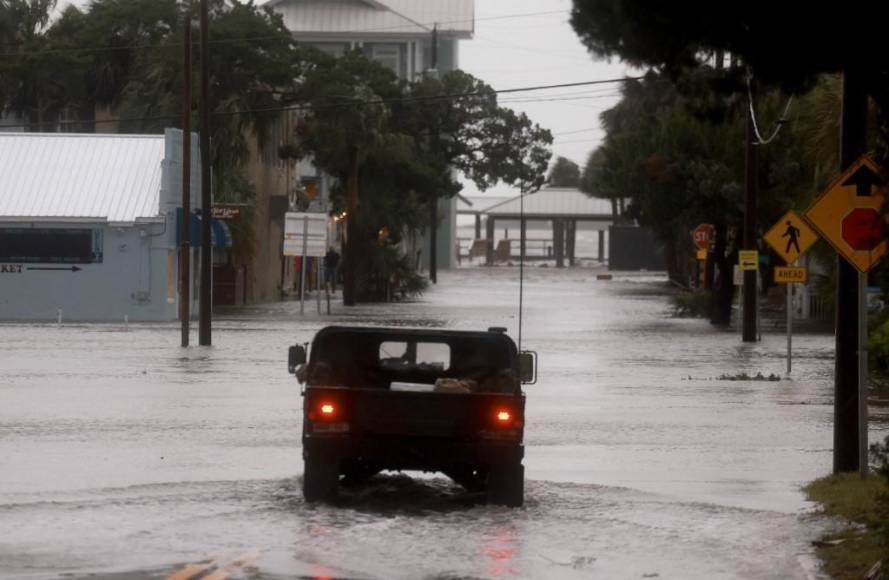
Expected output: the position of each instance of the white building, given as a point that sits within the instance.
(397, 34)
(88, 226)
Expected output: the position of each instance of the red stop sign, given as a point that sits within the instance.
(704, 235)
(863, 229)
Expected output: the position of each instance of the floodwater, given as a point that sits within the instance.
(125, 456)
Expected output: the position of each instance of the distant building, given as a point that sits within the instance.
(89, 226)
(397, 34)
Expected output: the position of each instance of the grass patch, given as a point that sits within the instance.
(853, 552)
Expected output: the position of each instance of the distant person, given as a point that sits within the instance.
(331, 260)
(792, 235)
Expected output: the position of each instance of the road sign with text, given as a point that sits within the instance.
(792, 275)
(704, 236)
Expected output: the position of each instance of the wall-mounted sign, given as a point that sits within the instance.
(226, 212)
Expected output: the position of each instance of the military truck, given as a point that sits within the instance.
(413, 399)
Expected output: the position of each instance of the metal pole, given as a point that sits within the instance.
(862, 375)
(789, 328)
(185, 226)
(302, 266)
(204, 335)
(318, 282)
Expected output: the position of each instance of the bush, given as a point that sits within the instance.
(691, 305)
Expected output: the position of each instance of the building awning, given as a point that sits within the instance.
(220, 234)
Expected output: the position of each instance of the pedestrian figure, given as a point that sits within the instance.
(331, 260)
(792, 235)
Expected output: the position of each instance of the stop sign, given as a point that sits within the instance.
(704, 235)
(863, 229)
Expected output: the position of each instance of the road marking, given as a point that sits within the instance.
(234, 566)
(191, 570)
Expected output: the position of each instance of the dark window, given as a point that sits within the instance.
(50, 245)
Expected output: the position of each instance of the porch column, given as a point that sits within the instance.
(489, 241)
(572, 241)
(559, 242)
(478, 226)
(601, 246)
(523, 249)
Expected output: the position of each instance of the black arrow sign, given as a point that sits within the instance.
(66, 269)
(863, 179)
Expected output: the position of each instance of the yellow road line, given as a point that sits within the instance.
(190, 571)
(240, 562)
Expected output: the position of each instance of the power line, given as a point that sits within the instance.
(349, 103)
(281, 37)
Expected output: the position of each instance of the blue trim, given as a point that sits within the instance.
(220, 235)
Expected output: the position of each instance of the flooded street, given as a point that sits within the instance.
(123, 455)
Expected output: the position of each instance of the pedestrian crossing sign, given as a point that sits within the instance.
(791, 237)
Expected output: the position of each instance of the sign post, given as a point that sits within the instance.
(305, 235)
(790, 238)
(849, 216)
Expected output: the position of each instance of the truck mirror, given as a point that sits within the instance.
(528, 367)
(296, 356)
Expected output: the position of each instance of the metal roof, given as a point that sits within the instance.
(367, 18)
(554, 202)
(80, 176)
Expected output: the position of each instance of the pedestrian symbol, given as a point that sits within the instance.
(791, 237)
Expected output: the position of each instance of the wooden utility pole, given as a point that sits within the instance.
(846, 428)
(185, 226)
(751, 179)
(204, 335)
(433, 199)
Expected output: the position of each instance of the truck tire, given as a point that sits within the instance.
(320, 480)
(506, 484)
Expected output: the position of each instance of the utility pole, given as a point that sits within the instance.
(751, 183)
(433, 201)
(846, 428)
(204, 337)
(185, 226)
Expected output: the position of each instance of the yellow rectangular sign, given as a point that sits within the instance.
(791, 275)
(748, 260)
(702, 254)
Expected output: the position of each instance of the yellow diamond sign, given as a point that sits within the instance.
(791, 237)
(849, 214)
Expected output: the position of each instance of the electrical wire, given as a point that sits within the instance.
(778, 126)
(347, 103)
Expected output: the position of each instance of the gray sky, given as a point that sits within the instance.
(541, 50)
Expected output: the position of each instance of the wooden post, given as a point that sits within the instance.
(489, 241)
(571, 242)
(559, 242)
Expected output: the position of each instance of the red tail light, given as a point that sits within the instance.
(327, 410)
(503, 416)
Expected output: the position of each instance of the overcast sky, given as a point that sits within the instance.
(542, 50)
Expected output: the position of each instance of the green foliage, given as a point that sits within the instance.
(691, 304)
(393, 146)
(564, 173)
(677, 36)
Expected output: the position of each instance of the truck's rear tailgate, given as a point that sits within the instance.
(386, 412)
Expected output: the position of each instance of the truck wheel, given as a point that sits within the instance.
(506, 485)
(320, 480)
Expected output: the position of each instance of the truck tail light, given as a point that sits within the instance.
(324, 411)
(503, 416)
